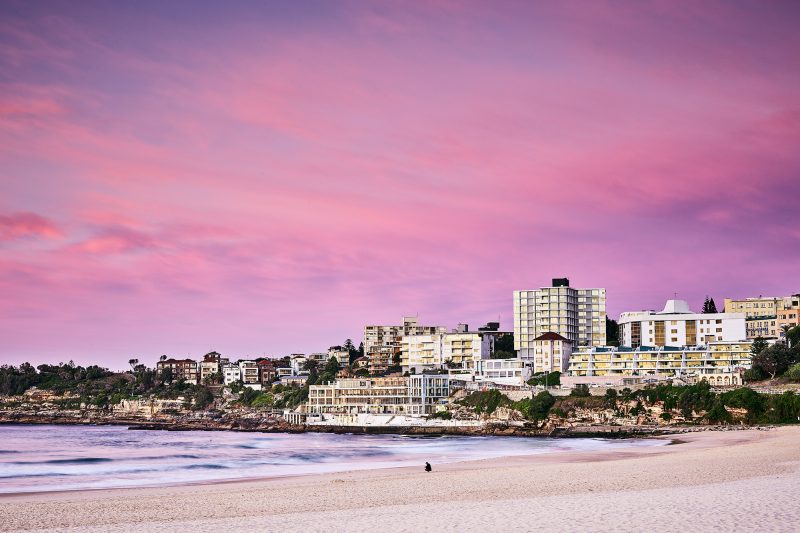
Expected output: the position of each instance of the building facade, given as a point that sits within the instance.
(579, 315)
(382, 343)
(765, 315)
(231, 373)
(551, 353)
(182, 369)
(678, 326)
(715, 358)
(455, 350)
(414, 395)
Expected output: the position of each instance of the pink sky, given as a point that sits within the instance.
(269, 178)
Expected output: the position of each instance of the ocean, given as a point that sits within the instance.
(37, 458)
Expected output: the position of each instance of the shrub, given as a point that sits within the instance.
(754, 374)
(536, 408)
(666, 416)
(486, 401)
(580, 391)
(545, 379)
(793, 373)
(441, 415)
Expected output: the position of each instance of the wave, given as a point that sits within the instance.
(205, 466)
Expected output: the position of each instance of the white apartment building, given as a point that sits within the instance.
(551, 353)
(415, 395)
(231, 373)
(576, 314)
(457, 350)
(502, 371)
(678, 326)
(382, 343)
(249, 374)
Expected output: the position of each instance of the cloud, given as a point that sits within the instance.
(27, 225)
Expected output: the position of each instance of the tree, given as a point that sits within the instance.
(162, 358)
(133, 363)
(786, 328)
(504, 343)
(709, 306)
(502, 354)
(758, 346)
(793, 337)
(774, 360)
(612, 332)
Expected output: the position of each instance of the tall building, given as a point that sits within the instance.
(382, 343)
(765, 315)
(679, 326)
(579, 315)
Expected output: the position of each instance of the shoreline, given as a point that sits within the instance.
(630, 488)
(489, 429)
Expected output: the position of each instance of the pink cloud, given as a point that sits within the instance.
(307, 178)
(26, 225)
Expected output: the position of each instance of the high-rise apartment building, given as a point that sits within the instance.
(579, 315)
(382, 343)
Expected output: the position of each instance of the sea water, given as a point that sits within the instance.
(37, 458)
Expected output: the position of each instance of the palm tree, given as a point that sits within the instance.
(133, 363)
(786, 328)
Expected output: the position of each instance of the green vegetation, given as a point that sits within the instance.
(441, 415)
(612, 332)
(487, 402)
(580, 391)
(549, 379)
(793, 373)
(709, 306)
(504, 347)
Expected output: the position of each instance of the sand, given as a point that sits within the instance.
(713, 481)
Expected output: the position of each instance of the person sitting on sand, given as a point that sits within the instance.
(428, 467)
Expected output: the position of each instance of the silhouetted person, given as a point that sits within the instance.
(428, 467)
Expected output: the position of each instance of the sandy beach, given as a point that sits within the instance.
(716, 480)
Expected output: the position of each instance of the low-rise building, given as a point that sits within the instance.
(182, 369)
(550, 353)
(412, 395)
(764, 315)
(503, 371)
(267, 372)
(459, 349)
(715, 358)
(231, 373)
(294, 381)
(249, 373)
(382, 343)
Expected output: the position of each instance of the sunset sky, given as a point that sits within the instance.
(266, 178)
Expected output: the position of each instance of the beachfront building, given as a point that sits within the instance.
(382, 343)
(762, 313)
(181, 369)
(716, 358)
(578, 315)
(501, 372)
(209, 369)
(459, 349)
(678, 326)
(231, 373)
(396, 395)
(551, 353)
